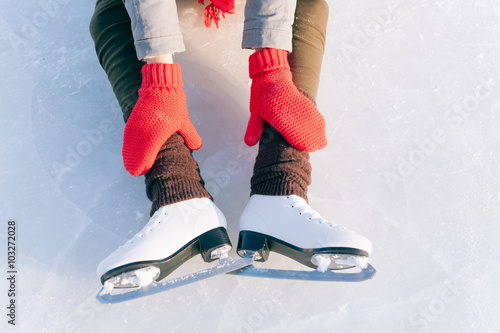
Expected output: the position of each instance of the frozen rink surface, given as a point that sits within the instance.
(411, 93)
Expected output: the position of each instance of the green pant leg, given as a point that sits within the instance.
(309, 36)
(110, 29)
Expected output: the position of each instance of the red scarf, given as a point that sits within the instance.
(217, 8)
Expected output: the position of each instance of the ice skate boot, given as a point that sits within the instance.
(174, 234)
(289, 226)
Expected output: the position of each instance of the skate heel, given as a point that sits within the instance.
(214, 244)
(253, 244)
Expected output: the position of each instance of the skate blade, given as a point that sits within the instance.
(116, 295)
(361, 274)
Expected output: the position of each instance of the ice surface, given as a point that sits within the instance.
(410, 91)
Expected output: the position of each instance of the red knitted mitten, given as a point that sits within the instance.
(275, 98)
(160, 112)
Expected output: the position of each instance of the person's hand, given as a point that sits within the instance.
(160, 112)
(275, 98)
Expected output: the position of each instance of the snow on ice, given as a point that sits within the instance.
(410, 91)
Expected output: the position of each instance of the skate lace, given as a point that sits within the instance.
(305, 210)
(155, 221)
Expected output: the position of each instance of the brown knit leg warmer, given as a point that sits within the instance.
(175, 175)
(281, 169)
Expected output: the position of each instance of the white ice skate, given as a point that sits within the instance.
(174, 234)
(289, 226)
